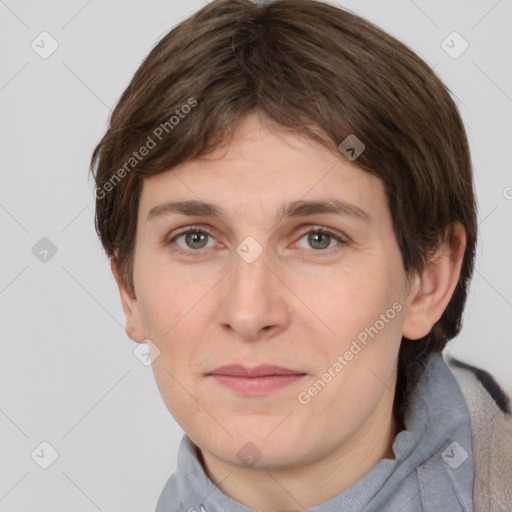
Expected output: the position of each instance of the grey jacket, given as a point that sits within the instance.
(491, 437)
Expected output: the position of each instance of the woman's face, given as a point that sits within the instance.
(293, 263)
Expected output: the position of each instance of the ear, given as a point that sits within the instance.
(134, 327)
(432, 290)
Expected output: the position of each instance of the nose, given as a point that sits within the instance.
(254, 299)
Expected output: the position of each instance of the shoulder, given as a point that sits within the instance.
(489, 409)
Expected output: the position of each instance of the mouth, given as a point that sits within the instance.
(259, 380)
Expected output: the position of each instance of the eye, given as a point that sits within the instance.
(320, 239)
(193, 239)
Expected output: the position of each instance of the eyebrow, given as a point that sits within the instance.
(300, 208)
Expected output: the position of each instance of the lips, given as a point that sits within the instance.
(259, 380)
(258, 371)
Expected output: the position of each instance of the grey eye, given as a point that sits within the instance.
(194, 240)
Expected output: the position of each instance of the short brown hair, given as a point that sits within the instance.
(304, 65)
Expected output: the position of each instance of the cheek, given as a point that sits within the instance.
(169, 299)
(172, 323)
(365, 312)
(172, 319)
(347, 302)
(175, 310)
(364, 309)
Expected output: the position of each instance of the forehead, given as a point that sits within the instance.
(265, 168)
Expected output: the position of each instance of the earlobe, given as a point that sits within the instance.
(432, 290)
(134, 327)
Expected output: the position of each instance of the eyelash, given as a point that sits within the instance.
(342, 240)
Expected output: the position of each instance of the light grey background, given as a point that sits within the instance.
(68, 375)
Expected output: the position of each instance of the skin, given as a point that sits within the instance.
(299, 304)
